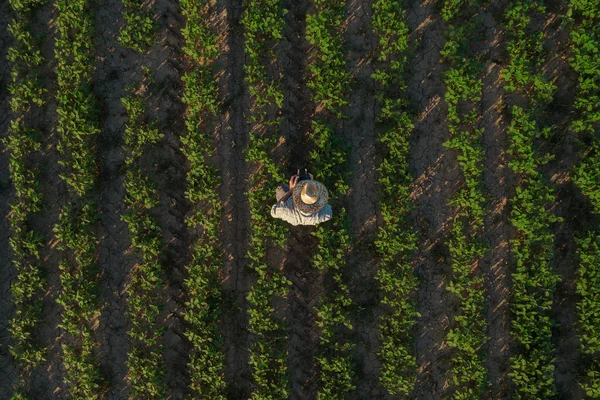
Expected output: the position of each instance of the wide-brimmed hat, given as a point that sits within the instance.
(310, 196)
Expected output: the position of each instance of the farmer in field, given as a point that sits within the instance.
(302, 202)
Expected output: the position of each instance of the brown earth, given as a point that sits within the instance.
(499, 185)
(307, 285)
(359, 130)
(232, 132)
(437, 177)
(7, 272)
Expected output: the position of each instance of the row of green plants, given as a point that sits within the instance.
(145, 368)
(22, 142)
(585, 35)
(329, 82)
(329, 79)
(396, 240)
(533, 277)
(203, 311)
(76, 228)
(463, 95)
(139, 30)
(263, 23)
(335, 354)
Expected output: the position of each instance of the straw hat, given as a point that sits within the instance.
(310, 196)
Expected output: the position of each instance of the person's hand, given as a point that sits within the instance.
(311, 176)
(293, 181)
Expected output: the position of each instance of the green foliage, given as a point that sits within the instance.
(76, 228)
(396, 240)
(146, 370)
(329, 79)
(202, 285)
(585, 35)
(139, 30)
(75, 232)
(526, 54)
(264, 22)
(464, 92)
(335, 359)
(534, 280)
(329, 82)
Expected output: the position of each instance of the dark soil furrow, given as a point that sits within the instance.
(569, 205)
(437, 176)
(48, 379)
(115, 70)
(498, 184)
(359, 130)
(169, 167)
(232, 132)
(306, 280)
(8, 374)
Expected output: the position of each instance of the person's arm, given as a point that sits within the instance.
(292, 183)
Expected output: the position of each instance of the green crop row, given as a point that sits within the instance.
(263, 22)
(203, 312)
(145, 369)
(329, 82)
(76, 228)
(329, 79)
(463, 92)
(585, 35)
(396, 241)
(533, 278)
(139, 29)
(334, 358)
(28, 288)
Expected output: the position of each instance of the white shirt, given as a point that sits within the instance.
(287, 211)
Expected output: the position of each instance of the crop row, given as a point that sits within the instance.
(533, 278)
(329, 82)
(264, 23)
(585, 35)
(396, 241)
(145, 368)
(76, 227)
(139, 30)
(22, 142)
(202, 285)
(463, 92)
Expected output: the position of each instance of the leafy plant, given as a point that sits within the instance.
(139, 30)
(264, 22)
(76, 229)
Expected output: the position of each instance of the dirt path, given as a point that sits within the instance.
(499, 186)
(232, 132)
(569, 205)
(115, 70)
(168, 170)
(359, 130)
(437, 177)
(7, 272)
(307, 284)
(48, 379)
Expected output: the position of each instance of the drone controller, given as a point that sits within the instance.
(304, 176)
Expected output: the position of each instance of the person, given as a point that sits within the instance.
(302, 202)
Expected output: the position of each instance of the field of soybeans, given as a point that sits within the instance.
(141, 142)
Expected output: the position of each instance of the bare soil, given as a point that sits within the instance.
(437, 177)
(307, 285)
(115, 70)
(232, 131)
(359, 130)
(7, 272)
(499, 185)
